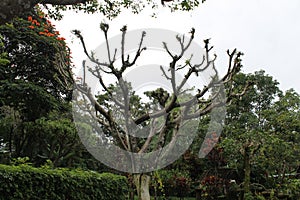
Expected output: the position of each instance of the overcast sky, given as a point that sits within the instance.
(267, 31)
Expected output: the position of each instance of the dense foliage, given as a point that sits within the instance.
(10, 9)
(25, 182)
(35, 92)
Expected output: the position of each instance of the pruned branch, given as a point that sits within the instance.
(90, 57)
(127, 63)
(168, 106)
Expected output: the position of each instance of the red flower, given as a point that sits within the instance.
(31, 27)
(61, 38)
(29, 18)
(50, 34)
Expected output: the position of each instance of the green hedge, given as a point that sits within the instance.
(26, 182)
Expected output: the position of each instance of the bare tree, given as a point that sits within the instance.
(167, 112)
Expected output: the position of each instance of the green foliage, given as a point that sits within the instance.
(35, 89)
(20, 161)
(29, 99)
(56, 140)
(158, 185)
(265, 122)
(25, 182)
(36, 55)
(112, 9)
(292, 187)
(174, 182)
(249, 196)
(3, 56)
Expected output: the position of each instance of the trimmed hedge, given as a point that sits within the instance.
(26, 182)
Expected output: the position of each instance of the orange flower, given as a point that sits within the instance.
(41, 33)
(31, 27)
(29, 18)
(61, 38)
(50, 35)
(56, 32)
(36, 22)
(46, 30)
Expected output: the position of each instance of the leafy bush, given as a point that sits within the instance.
(175, 182)
(292, 187)
(26, 182)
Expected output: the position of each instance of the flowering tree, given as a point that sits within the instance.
(35, 87)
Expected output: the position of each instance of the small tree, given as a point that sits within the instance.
(164, 114)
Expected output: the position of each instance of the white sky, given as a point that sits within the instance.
(267, 31)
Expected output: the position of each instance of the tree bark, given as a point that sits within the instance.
(10, 9)
(142, 183)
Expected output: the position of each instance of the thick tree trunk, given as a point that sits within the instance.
(142, 183)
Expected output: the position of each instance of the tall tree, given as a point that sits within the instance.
(258, 130)
(168, 112)
(36, 79)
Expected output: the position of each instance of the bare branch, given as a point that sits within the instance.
(152, 132)
(164, 73)
(127, 63)
(167, 49)
(124, 29)
(104, 27)
(91, 58)
(192, 108)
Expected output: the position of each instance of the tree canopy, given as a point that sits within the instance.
(13, 8)
(35, 90)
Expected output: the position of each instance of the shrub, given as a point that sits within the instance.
(26, 182)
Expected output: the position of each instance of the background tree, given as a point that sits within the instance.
(35, 89)
(258, 130)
